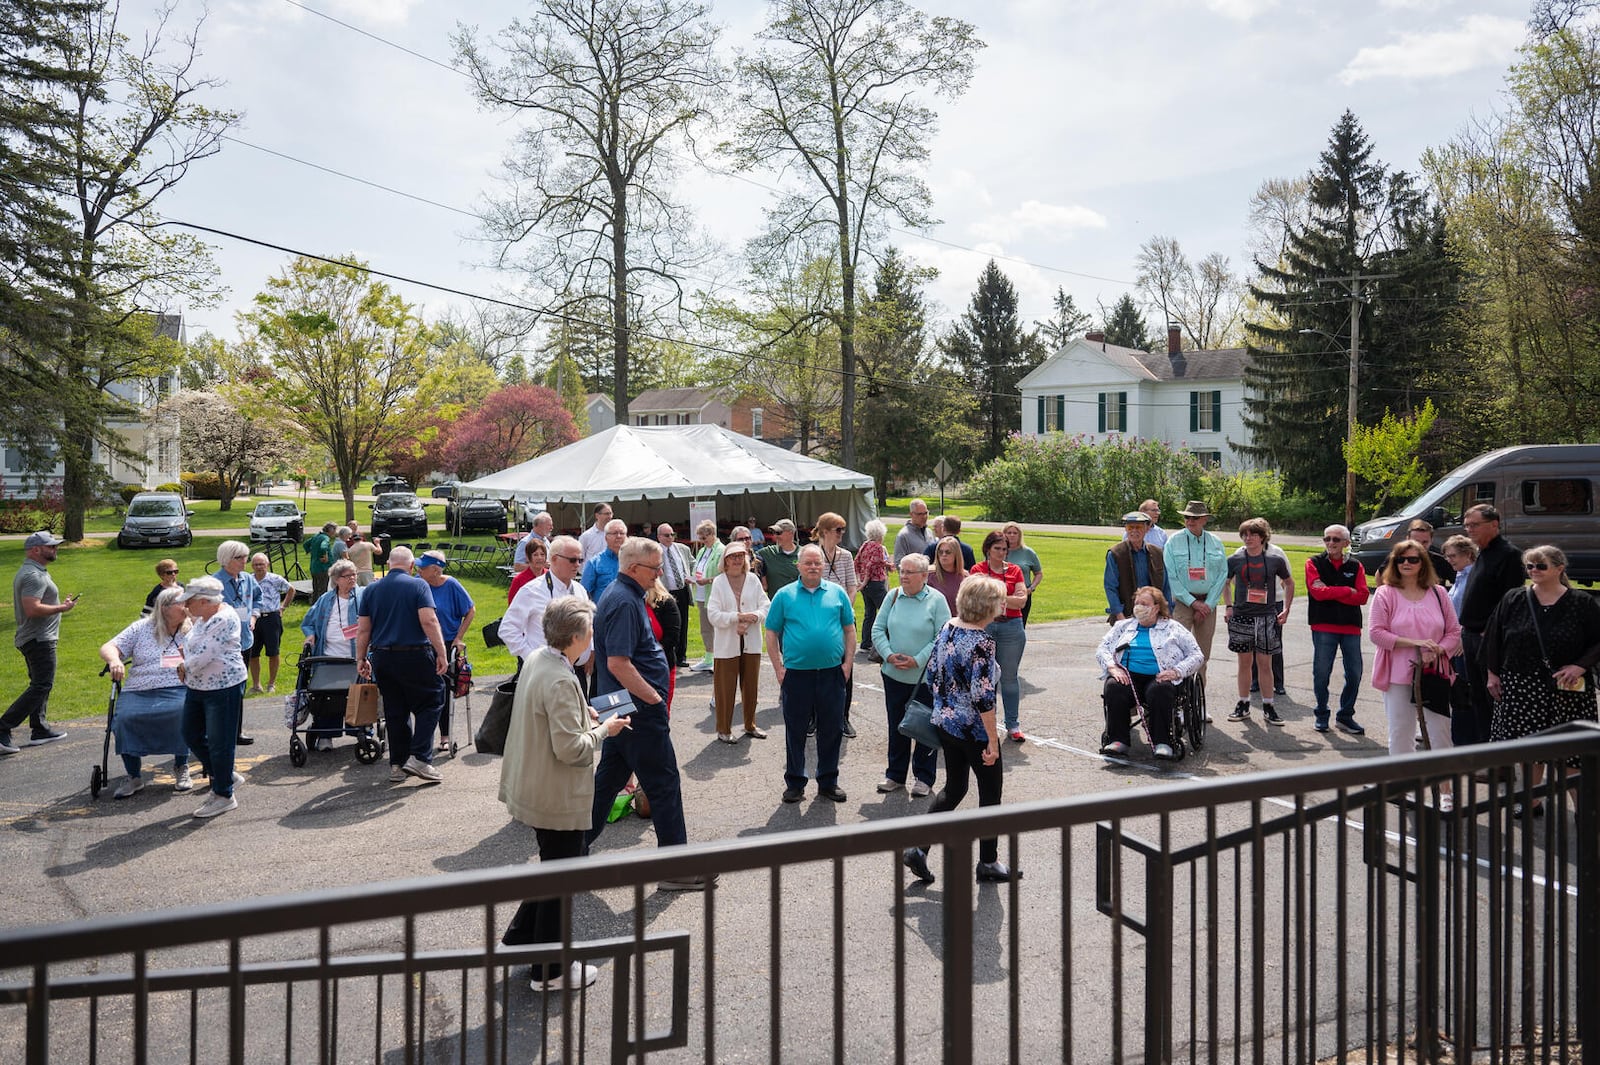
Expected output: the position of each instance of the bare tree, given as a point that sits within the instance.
(1203, 299)
(1279, 207)
(610, 88)
(835, 92)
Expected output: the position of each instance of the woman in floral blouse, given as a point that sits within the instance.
(872, 570)
(213, 670)
(963, 675)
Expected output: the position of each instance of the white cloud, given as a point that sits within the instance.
(374, 12)
(1034, 217)
(1479, 40)
(1241, 10)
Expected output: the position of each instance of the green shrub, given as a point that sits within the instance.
(1061, 479)
(1233, 497)
(170, 486)
(202, 485)
(128, 491)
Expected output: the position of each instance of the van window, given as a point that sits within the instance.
(1557, 495)
(155, 508)
(1470, 496)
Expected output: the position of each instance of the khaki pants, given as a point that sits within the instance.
(1202, 629)
(727, 676)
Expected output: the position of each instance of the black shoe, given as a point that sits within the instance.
(996, 873)
(1241, 712)
(245, 741)
(1270, 712)
(836, 793)
(45, 735)
(1349, 725)
(793, 794)
(849, 731)
(916, 860)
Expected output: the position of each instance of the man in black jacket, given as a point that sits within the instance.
(1497, 571)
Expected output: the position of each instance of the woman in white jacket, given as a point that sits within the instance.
(1144, 657)
(737, 607)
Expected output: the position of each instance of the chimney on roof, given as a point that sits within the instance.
(1174, 338)
(1096, 336)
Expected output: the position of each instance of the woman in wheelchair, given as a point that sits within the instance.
(1143, 659)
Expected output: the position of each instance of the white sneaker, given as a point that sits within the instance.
(129, 787)
(919, 790)
(322, 743)
(418, 768)
(580, 975)
(397, 775)
(271, 688)
(182, 781)
(238, 778)
(217, 804)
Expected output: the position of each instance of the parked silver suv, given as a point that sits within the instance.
(156, 519)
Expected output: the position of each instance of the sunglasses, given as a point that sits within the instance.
(1409, 560)
(169, 573)
(569, 558)
(1540, 566)
(1333, 539)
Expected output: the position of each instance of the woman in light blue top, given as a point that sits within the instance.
(1027, 560)
(1142, 660)
(903, 633)
(330, 624)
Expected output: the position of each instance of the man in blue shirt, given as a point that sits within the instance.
(276, 593)
(811, 640)
(1197, 568)
(242, 595)
(400, 648)
(602, 569)
(627, 657)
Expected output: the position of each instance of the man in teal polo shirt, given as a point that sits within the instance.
(811, 639)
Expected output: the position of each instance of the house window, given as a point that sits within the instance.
(1205, 412)
(755, 422)
(1113, 412)
(13, 460)
(1209, 459)
(164, 455)
(1052, 413)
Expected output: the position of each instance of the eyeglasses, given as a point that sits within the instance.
(1333, 539)
(1540, 566)
(1473, 524)
(169, 573)
(656, 566)
(1409, 560)
(569, 558)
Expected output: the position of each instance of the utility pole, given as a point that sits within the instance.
(1354, 282)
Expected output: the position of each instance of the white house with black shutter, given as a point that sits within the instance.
(1191, 400)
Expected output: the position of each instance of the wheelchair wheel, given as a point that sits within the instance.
(1178, 747)
(96, 782)
(1195, 718)
(368, 750)
(297, 752)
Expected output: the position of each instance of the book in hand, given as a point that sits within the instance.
(611, 704)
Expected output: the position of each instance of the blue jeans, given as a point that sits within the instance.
(211, 729)
(40, 656)
(809, 693)
(1010, 640)
(1323, 647)
(644, 751)
(924, 762)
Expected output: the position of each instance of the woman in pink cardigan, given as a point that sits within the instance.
(1413, 626)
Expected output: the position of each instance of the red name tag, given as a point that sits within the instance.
(1255, 595)
(351, 630)
(1197, 574)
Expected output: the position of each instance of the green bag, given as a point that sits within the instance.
(621, 807)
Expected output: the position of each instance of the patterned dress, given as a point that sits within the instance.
(1530, 702)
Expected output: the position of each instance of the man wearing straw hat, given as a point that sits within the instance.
(1197, 567)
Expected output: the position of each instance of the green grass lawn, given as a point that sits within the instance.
(115, 582)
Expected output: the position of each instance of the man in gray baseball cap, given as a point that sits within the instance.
(37, 606)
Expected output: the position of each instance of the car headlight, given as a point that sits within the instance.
(1382, 532)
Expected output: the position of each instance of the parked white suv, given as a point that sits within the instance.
(277, 519)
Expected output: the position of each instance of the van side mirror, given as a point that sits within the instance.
(188, 513)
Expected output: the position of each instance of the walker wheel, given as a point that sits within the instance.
(368, 750)
(97, 781)
(297, 752)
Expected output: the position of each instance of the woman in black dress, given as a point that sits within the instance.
(1540, 650)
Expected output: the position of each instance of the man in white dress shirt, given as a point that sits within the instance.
(593, 540)
(676, 565)
(522, 628)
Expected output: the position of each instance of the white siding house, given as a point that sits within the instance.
(155, 442)
(1190, 400)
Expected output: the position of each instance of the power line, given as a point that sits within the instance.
(700, 345)
(348, 177)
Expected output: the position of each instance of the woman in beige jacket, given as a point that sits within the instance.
(737, 607)
(547, 777)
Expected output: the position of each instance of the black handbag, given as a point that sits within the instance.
(491, 736)
(1430, 688)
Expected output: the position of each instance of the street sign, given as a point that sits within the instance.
(943, 471)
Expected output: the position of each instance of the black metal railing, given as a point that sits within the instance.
(1288, 916)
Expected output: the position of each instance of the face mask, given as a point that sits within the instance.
(1144, 613)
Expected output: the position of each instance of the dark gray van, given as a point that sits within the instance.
(1545, 494)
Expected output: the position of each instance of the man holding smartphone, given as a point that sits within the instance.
(38, 607)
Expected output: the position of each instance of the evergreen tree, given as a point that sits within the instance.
(911, 412)
(516, 371)
(563, 378)
(1067, 324)
(992, 352)
(1363, 220)
(1125, 326)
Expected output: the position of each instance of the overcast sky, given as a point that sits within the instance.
(1090, 126)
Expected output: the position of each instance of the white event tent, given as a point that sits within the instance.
(651, 474)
